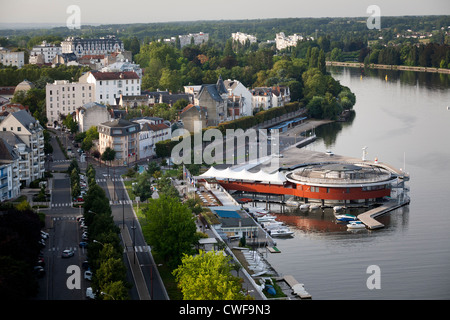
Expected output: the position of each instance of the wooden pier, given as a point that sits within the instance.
(297, 287)
(368, 217)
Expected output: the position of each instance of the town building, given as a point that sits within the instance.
(25, 85)
(9, 171)
(81, 46)
(122, 66)
(192, 114)
(109, 86)
(12, 58)
(325, 183)
(153, 130)
(90, 115)
(64, 98)
(122, 136)
(236, 89)
(264, 98)
(243, 37)
(187, 39)
(44, 53)
(282, 41)
(24, 132)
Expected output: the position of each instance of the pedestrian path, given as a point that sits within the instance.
(120, 202)
(112, 180)
(137, 249)
(62, 204)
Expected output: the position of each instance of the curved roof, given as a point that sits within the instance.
(244, 174)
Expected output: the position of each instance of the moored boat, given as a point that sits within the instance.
(338, 208)
(304, 206)
(281, 232)
(356, 225)
(345, 217)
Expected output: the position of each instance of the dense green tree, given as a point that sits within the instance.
(207, 276)
(170, 228)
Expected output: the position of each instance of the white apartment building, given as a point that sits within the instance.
(11, 58)
(264, 98)
(243, 37)
(110, 85)
(25, 133)
(122, 66)
(282, 41)
(83, 47)
(91, 114)
(64, 97)
(186, 39)
(153, 130)
(9, 171)
(237, 89)
(44, 53)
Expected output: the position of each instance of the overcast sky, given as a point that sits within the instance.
(147, 11)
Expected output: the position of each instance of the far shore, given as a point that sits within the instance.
(387, 67)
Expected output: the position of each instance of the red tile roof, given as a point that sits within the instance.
(115, 75)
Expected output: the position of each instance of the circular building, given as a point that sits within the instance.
(341, 182)
(25, 85)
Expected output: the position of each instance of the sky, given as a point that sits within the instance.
(148, 11)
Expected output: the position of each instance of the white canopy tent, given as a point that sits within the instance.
(228, 173)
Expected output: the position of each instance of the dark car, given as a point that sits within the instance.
(83, 244)
(39, 271)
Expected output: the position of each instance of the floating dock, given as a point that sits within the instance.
(368, 217)
(297, 288)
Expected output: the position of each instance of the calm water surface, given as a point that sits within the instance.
(403, 121)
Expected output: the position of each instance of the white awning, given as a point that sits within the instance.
(243, 174)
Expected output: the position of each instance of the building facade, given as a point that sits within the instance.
(9, 171)
(83, 47)
(63, 98)
(44, 53)
(153, 130)
(264, 98)
(12, 58)
(109, 86)
(243, 37)
(23, 132)
(123, 137)
(90, 115)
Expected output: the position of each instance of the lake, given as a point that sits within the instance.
(403, 120)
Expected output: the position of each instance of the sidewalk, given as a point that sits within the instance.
(135, 268)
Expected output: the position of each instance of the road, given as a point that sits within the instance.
(65, 233)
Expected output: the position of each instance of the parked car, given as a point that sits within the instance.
(88, 275)
(40, 262)
(78, 199)
(90, 293)
(44, 235)
(67, 253)
(85, 265)
(83, 244)
(39, 271)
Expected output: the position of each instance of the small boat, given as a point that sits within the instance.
(314, 207)
(281, 232)
(272, 224)
(345, 217)
(304, 206)
(266, 218)
(338, 208)
(292, 203)
(356, 225)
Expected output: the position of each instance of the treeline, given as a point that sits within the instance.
(430, 55)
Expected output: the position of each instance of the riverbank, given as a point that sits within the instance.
(387, 67)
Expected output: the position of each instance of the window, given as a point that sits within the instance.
(19, 129)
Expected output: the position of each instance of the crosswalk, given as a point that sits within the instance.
(57, 205)
(75, 204)
(63, 218)
(138, 249)
(112, 180)
(65, 160)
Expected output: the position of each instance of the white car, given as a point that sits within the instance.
(329, 152)
(89, 293)
(88, 275)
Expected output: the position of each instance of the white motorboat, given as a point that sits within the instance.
(292, 203)
(356, 225)
(314, 207)
(304, 206)
(338, 208)
(272, 224)
(266, 218)
(281, 232)
(345, 217)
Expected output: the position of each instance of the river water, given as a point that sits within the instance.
(402, 121)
